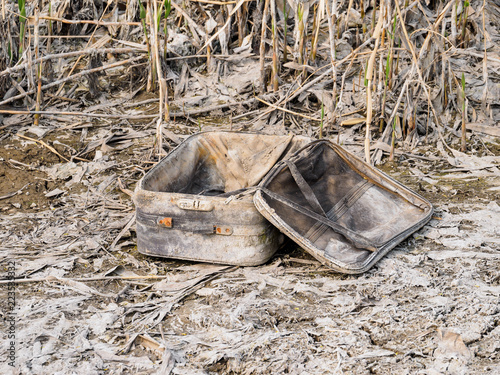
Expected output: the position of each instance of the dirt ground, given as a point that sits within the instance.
(430, 306)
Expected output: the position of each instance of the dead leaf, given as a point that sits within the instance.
(353, 121)
(451, 345)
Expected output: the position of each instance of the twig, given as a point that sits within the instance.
(52, 149)
(287, 110)
(122, 232)
(9, 195)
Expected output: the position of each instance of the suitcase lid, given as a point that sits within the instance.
(344, 212)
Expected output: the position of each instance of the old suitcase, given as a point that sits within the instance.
(186, 206)
(341, 210)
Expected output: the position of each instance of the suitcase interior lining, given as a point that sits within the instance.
(365, 208)
(217, 164)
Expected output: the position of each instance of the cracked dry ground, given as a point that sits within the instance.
(430, 306)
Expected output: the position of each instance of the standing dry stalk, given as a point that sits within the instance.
(263, 48)
(349, 7)
(374, 14)
(393, 138)
(317, 22)
(454, 32)
(388, 71)
(465, 11)
(444, 96)
(49, 29)
(300, 14)
(285, 31)
(239, 17)
(39, 68)
(168, 6)
(275, 46)
(143, 16)
(332, 19)
(380, 84)
(155, 46)
(464, 114)
(369, 77)
(152, 20)
(363, 15)
(485, 64)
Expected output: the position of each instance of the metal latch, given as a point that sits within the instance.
(166, 222)
(223, 230)
(194, 204)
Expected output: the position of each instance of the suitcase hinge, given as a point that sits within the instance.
(223, 230)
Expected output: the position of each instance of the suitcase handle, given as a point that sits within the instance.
(195, 205)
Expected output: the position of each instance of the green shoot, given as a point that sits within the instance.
(142, 15)
(22, 24)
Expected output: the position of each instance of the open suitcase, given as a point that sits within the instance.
(209, 199)
(196, 203)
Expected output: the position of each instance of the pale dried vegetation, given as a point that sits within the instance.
(93, 93)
